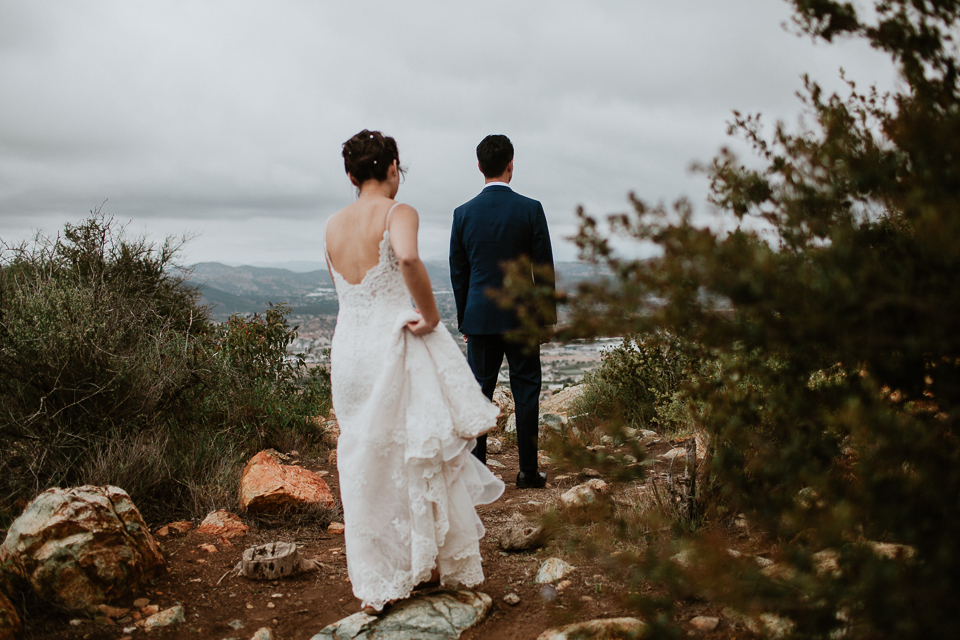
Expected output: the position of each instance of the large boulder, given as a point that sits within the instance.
(442, 615)
(267, 486)
(82, 547)
(10, 625)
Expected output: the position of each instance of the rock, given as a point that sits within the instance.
(673, 453)
(521, 536)
(209, 548)
(604, 629)
(10, 624)
(591, 473)
(704, 623)
(554, 421)
(336, 529)
(511, 425)
(606, 439)
(441, 615)
(331, 434)
(684, 559)
(174, 528)
(82, 547)
(112, 612)
(236, 625)
(503, 398)
(150, 609)
(165, 618)
(583, 494)
(267, 486)
(496, 464)
(332, 459)
(552, 570)
(564, 584)
(223, 524)
(629, 459)
(140, 603)
(512, 599)
(563, 401)
(263, 633)
(494, 445)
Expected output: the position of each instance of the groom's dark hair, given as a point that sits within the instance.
(494, 153)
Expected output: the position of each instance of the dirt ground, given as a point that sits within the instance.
(299, 607)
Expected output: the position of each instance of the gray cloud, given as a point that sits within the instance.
(225, 118)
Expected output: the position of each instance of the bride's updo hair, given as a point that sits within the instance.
(368, 155)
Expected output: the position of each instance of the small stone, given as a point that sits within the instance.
(336, 529)
(332, 458)
(223, 524)
(552, 570)
(140, 603)
(673, 453)
(704, 623)
(564, 584)
(496, 464)
(606, 440)
(165, 618)
(209, 548)
(629, 459)
(294, 454)
(512, 599)
(174, 528)
(603, 628)
(583, 494)
(76, 622)
(235, 624)
(494, 445)
(270, 605)
(591, 473)
(249, 606)
(263, 633)
(521, 536)
(150, 609)
(277, 595)
(129, 630)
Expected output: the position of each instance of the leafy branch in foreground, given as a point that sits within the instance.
(836, 332)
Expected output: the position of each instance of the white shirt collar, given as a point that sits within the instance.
(497, 184)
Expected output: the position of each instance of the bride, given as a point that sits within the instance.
(408, 405)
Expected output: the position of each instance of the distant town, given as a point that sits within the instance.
(310, 295)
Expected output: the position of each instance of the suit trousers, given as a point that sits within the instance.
(485, 355)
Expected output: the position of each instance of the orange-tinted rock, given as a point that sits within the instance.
(335, 529)
(82, 547)
(224, 524)
(268, 486)
(174, 528)
(10, 625)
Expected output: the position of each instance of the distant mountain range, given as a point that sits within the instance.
(247, 289)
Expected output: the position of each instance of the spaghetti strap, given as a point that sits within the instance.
(386, 226)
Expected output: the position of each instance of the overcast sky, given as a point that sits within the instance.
(224, 119)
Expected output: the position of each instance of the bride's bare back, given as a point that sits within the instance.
(353, 237)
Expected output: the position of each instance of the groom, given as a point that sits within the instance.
(498, 226)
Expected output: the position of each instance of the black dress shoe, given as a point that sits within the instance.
(531, 481)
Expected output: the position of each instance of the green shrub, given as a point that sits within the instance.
(641, 382)
(110, 372)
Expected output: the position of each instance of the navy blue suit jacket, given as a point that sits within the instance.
(496, 226)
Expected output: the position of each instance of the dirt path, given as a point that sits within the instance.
(299, 607)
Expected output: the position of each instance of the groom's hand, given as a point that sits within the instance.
(465, 338)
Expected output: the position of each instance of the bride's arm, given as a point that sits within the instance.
(404, 224)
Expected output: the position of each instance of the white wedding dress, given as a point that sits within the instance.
(409, 409)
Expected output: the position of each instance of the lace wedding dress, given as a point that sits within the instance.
(409, 409)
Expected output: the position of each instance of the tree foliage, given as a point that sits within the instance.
(834, 414)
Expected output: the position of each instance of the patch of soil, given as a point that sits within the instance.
(299, 607)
